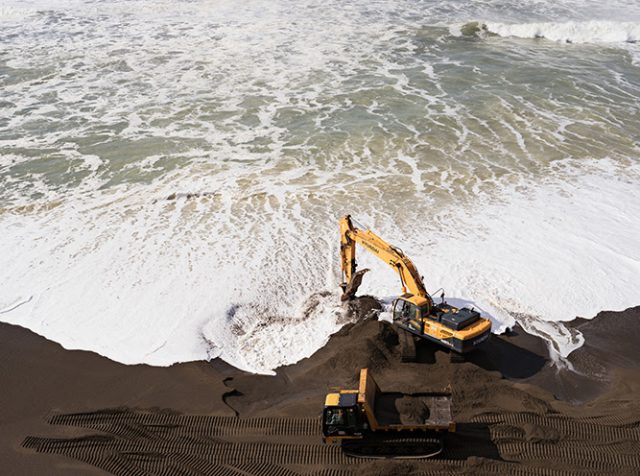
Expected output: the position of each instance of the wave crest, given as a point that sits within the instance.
(566, 32)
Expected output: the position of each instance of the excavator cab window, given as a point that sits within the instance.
(405, 311)
(408, 314)
(398, 308)
(424, 312)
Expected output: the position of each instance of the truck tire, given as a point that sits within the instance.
(407, 346)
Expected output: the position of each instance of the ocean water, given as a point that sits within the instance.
(172, 172)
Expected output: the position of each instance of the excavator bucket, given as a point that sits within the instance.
(349, 291)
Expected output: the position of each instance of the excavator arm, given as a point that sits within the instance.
(393, 256)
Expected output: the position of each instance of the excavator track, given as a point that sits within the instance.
(410, 447)
(407, 345)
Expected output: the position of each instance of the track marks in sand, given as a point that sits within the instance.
(582, 443)
(136, 442)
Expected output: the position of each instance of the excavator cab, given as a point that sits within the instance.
(409, 313)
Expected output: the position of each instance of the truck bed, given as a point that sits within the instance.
(418, 410)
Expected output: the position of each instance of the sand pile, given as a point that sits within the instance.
(412, 410)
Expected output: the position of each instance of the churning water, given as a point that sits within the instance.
(172, 172)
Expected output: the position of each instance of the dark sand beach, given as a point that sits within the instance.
(75, 412)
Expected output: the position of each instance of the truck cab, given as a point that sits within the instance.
(342, 417)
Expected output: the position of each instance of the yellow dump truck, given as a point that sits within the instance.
(373, 424)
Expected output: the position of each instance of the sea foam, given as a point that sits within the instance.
(185, 278)
(172, 173)
(594, 31)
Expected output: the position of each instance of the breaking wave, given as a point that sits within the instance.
(594, 31)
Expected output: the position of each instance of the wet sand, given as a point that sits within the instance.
(74, 412)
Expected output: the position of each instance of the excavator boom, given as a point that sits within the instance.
(392, 255)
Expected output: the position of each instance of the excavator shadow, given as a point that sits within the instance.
(499, 354)
(426, 351)
(470, 439)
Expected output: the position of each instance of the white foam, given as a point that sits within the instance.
(11, 13)
(594, 31)
(260, 340)
(541, 254)
(139, 281)
(280, 117)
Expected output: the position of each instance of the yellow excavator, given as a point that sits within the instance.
(458, 329)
